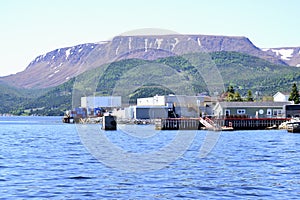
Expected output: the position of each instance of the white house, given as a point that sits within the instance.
(281, 97)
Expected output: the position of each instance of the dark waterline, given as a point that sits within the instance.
(42, 158)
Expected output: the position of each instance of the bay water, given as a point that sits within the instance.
(42, 158)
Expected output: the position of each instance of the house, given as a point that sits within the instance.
(281, 97)
(250, 109)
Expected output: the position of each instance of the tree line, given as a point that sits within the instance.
(232, 95)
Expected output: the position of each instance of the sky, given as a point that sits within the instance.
(34, 27)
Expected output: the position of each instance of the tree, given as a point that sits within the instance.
(249, 96)
(230, 93)
(237, 96)
(230, 89)
(294, 95)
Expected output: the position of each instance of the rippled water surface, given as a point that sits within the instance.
(41, 158)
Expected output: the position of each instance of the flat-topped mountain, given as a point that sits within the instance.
(58, 66)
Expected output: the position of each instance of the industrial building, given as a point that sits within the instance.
(169, 106)
(97, 105)
(101, 101)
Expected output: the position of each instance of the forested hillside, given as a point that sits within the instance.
(242, 71)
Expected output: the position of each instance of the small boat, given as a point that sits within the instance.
(293, 127)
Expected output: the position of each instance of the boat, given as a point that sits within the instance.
(293, 127)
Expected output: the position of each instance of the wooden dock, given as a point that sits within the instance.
(218, 124)
(250, 123)
(178, 124)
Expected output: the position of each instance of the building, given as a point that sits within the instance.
(182, 105)
(250, 109)
(292, 110)
(92, 102)
(146, 112)
(170, 106)
(281, 97)
(152, 101)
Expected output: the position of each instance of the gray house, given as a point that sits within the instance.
(250, 109)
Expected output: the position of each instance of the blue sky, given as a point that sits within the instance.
(33, 27)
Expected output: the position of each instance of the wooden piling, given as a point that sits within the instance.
(109, 123)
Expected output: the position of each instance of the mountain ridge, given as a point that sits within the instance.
(242, 71)
(59, 65)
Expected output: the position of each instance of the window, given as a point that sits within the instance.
(269, 112)
(277, 112)
(240, 111)
(227, 112)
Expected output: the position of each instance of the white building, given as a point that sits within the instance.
(176, 100)
(146, 112)
(152, 101)
(281, 97)
(163, 107)
(92, 102)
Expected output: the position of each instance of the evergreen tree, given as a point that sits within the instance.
(230, 96)
(230, 89)
(237, 96)
(230, 93)
(249, 96)
(294, 95)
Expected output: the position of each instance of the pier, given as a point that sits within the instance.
(218, 124)
(250, 123)
(178, 124)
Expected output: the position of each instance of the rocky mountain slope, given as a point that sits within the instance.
(60, 65)
(290, 55)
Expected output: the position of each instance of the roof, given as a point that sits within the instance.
(151, 107)
(283, 93)
(252, 104)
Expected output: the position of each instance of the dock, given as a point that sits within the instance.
(251, 123)
(178, 124)
(215, 124)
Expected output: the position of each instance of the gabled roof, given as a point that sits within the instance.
(283, 93)
(252, 104)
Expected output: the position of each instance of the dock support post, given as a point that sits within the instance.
(109, 123)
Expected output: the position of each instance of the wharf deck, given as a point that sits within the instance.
(178, 124)
(221, 124)
(250, 123)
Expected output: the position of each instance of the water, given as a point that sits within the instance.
(41, 158)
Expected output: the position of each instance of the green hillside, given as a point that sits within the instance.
(13, 99)
(133, 78)
(251, 73)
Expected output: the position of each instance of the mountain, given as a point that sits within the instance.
(14, 98)
(242, 71)
(290, 55)
(60, 65)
